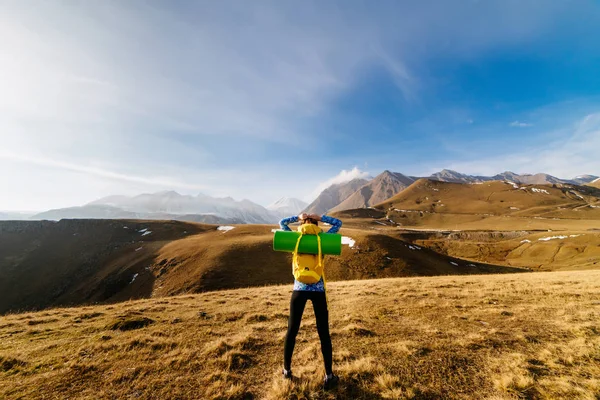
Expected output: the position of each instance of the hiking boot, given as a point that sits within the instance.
(331, 382)
(287, 374)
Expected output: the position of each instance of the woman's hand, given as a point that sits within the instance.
(314, 217)
(302, 217)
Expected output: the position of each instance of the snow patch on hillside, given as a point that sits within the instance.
(349, 241)
(545, 239)
(536, 190)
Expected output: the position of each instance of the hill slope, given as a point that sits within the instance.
(460, 203)
(595, 183)
(494, 337)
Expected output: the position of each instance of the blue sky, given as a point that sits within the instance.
(261, 100)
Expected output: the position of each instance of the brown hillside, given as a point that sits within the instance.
(595, 184)
(494, 197)
(539, 227)
(528, 336)
(381, 188)
(544, 251)
(45, 264)
(244, 257)
(88, 261)
(458, 205)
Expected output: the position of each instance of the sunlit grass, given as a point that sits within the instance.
(493, 336)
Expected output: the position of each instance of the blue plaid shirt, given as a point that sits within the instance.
(336, 224)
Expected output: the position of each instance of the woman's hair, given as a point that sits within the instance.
(309, 221)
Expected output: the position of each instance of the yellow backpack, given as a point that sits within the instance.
(308, 268)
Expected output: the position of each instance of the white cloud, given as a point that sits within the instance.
(342, 177)
(517, 124)
(156, 181)
(106, 96)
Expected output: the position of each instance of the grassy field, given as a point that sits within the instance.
(532, 336)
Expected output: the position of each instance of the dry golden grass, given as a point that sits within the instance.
(595, 184)
(533, 336)
(493, 205)
(543, 251)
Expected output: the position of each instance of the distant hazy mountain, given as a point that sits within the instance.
(287, 206)
(584, 179)
(174, 203)
(202, 218)
(87, 212)
(537, 179)
(334, 195)
(169, 205)
(447, 175)
(382, 187)
(14, 216)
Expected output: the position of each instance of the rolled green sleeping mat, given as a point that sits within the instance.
(331, 243)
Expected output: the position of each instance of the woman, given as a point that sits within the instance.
(315, 293)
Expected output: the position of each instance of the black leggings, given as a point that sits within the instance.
(297, 303)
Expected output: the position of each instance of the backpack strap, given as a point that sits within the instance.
(295, 260)
(320, 262)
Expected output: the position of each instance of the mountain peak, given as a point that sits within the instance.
(287, 206)
(334, 195)
(382, 187)
(167, 193)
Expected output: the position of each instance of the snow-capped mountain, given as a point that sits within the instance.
(583, 179)
(529, 179)
(168, 204)
(448, 175)
(287, 206)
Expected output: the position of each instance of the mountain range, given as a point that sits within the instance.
(448, 175)
(168, 205)
(357, 193)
